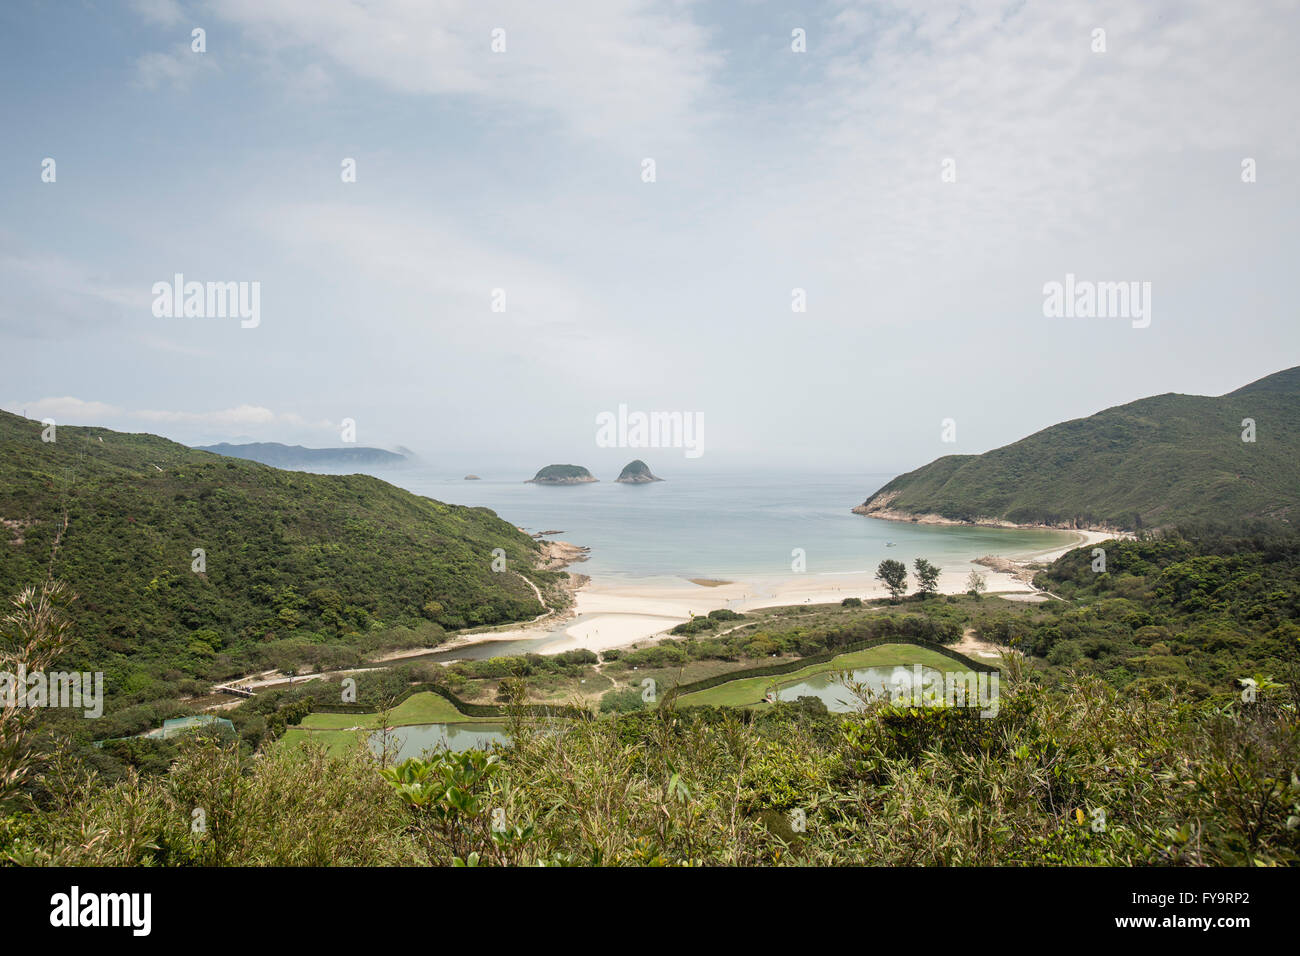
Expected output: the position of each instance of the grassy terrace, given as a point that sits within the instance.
(750, 691)
(341, 732)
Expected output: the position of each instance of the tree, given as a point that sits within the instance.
(976, 584)
(894, 575)
(927, 577)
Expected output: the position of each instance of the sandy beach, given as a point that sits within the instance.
(614, 613)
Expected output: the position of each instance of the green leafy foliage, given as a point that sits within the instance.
(297, 568)
(1202, 606)
(927, 577)
(893, 574)
(705, 623)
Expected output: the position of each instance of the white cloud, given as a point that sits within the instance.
(819, 170)
(1055, 146)
(65, 410)
(177, 70)
(630, 71)
(77, 411)
(430, 285)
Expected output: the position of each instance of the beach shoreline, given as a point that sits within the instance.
(885, 513)
(612, 613)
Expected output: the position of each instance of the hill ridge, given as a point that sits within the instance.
(297, 568)
(1151, 462)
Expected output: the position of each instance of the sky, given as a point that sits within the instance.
(503, 269)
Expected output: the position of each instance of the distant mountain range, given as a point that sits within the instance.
(296, 456)
(1150, 463)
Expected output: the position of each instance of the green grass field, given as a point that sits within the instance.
(422, 708)
(339, 733)
(749, 691)
(336, 742)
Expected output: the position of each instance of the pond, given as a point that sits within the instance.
(413, 741)
(839, 699)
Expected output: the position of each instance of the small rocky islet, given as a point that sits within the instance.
(635, 472)
(562, 475)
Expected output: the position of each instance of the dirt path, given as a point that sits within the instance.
(547, 610)
(972, 646)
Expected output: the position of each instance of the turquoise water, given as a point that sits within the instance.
(721, 526)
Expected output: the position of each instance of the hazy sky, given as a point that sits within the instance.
(522, 170)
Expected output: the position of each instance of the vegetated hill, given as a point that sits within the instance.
(1149, 463)
(293, 560)
(637, 472)
(296, 456)
(561, 475)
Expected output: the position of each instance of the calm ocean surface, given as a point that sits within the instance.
(720, 525)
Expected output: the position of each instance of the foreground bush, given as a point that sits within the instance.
(1086, 774)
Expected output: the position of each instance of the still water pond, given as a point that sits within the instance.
(839, 699)
(415, 740)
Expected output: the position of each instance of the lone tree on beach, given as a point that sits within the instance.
(894, 574)
(975, 584)
(927, 577)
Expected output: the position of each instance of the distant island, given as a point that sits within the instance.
(473, 478)
(636, 473)
(291, 456)
(561, 475)
(1151, 463)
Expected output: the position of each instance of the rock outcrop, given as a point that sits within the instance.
(637, 473)
(561, 475)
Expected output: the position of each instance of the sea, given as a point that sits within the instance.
(721, 526)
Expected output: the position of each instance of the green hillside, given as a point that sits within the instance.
(297, 565)
(1149, 463)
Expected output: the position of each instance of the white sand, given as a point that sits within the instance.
(611, 613)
